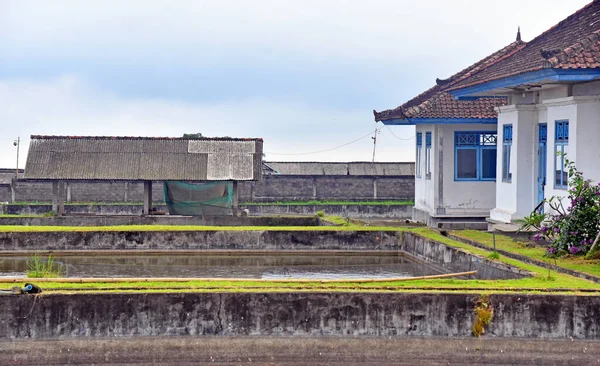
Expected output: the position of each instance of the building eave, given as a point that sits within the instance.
(538, 77)
(438, 121)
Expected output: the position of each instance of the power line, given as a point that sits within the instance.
(333, 148)
(399, 138)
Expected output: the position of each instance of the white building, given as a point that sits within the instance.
(553, 88)
(488, 137)
(456, 148)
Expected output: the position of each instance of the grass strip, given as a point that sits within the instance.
(351, 227)
(576, 263)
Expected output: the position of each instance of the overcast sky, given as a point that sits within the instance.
(304, 75)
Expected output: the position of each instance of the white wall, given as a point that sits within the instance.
(515, 199)
(464, 197)
(583, 114)
(425, 188)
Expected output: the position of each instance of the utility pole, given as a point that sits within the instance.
(374, 143)
(17, 143)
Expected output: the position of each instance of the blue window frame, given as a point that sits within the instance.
(418, 155)
(428, 155)
(475, 155)
(507, 132)
(561, 149)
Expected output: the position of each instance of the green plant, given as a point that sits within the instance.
(483, 315)
(494, 255)
(321, 213)
(37, 267)
(569, 230)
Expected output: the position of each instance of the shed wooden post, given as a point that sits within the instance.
(55, 197)
(375, 187)
(147, 197)
(235, 198)
(61, 197)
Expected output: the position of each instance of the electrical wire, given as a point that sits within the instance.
(399, 138)
(333, 148)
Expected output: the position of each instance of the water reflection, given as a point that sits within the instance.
(241, 266)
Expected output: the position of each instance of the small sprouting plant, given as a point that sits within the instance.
(37, 267)
(483, 315)
(321, 213)
(494, 255)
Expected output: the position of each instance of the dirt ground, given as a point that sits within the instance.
(299, 351)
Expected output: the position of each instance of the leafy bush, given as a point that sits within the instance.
(569, 230)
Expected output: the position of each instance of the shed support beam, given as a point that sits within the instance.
(147, 197)
(58, 197)
(235, 198)
(375, 188)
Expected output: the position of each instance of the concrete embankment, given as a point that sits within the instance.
(161, 220)
(351, 211)
(52, 316)
(200, 240)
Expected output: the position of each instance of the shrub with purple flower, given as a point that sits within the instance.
(571, 230)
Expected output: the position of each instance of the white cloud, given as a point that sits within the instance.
(68, 106)
(376, 29)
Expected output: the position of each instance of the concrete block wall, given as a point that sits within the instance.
(283, 187)
(269, 189)
(5, 193)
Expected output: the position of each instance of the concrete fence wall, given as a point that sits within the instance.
(270, 188)
(109, 315)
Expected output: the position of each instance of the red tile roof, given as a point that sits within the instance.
(582, 55)
(571, 44)
(435, 103)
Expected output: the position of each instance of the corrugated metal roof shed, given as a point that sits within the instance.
(351, 168)
(143, 158)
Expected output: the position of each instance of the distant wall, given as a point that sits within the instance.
(307, 187)
(270, 188)
(296, 181)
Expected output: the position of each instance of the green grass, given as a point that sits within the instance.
(351, 227)
(576, 263)
(37, 267)
(329, 203)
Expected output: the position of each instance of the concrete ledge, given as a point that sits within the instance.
(53, 316)
(200, 240)
(351, 211)
(161, 220)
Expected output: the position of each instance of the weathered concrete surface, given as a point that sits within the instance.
(351, 211)
(300, 351)
(50, 316)
(157, 240)
(120, 209)
(161, 220)
(457, 260)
